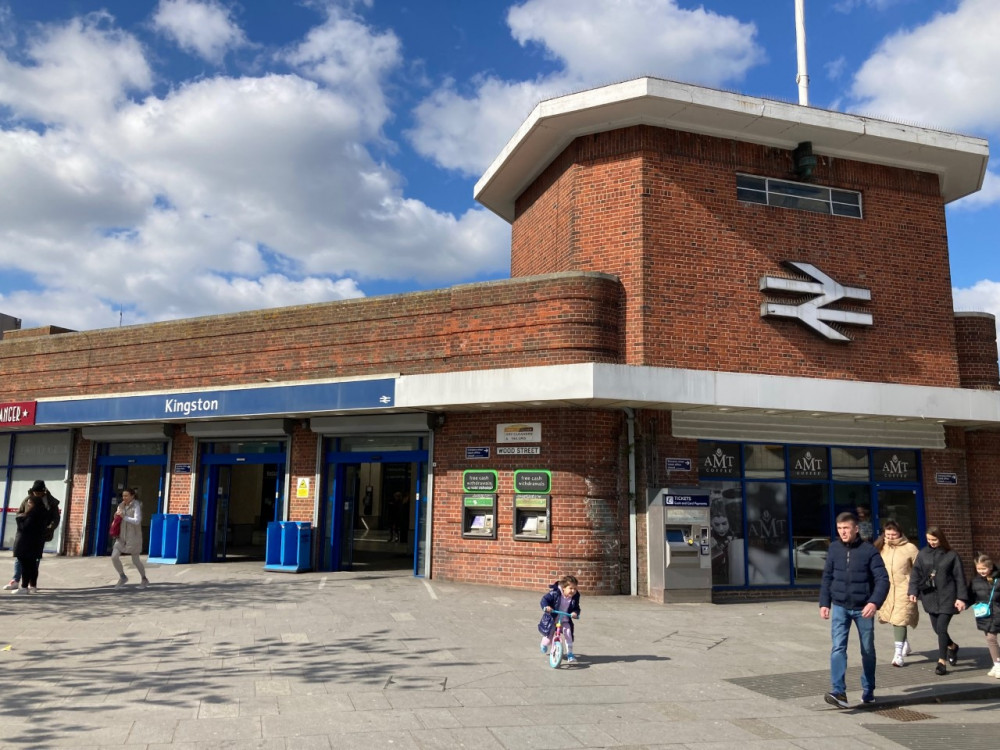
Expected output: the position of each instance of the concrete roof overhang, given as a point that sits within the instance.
(958, 160)
(608, 386)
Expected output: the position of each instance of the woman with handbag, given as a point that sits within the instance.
(898, 554)
(938, 581)
(31, 520)
(129, 541)
(986, 607)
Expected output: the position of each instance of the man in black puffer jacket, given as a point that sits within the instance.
(855, 583)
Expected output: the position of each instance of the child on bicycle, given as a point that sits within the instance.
(564, 597)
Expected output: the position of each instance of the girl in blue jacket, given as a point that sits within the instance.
(563, 596)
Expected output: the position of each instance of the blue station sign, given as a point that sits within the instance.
(267, 401)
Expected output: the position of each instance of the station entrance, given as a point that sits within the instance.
(140, 466)
(374, 514)
(241, 491)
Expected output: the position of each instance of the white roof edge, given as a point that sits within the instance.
(959, 160)
(601, 385)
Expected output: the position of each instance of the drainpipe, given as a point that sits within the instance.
(633, 551)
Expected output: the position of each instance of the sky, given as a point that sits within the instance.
(162, 159)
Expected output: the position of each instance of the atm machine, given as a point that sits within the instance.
(680, 560)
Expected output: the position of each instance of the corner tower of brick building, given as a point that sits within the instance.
(639, 180)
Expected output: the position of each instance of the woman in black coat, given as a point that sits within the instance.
(983, 589)
(29, 541)
(937, 579)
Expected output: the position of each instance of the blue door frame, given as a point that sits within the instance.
(337, 510)
(102, 508)
(208, 506)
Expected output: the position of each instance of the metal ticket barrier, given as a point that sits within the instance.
(680, 560)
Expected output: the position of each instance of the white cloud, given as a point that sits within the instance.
(223, 194)
(989, 195)
(595, 42)
(345, 55)
(206, 29)
(983, 296)
(835, 68)
(597, 39)
(941, 74)
(846, 6)
(77, 72)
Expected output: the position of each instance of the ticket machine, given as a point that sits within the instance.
(680, 560)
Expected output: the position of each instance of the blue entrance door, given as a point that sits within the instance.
(374, 511)
(144, 474)
(240, 494)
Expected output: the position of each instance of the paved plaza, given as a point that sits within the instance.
(233, 656)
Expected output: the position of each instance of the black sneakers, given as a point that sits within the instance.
(953, 654)
(868, 696)
(940, 669)
(836, 699)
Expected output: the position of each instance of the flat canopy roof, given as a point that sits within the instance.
(958, 160)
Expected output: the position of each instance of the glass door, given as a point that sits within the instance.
(902, 505)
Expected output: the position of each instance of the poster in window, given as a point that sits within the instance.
(726, 504)
(718, 460)
(895, 465)
(767, 533)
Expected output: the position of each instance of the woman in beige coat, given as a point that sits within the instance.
(129, 541)
(898, 554)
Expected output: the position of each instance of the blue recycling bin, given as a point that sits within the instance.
(169, 538)
(289, 546)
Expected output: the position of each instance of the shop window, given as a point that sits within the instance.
(767, 534)
(849, 464)
(764, 461)
(811, 531)
(718, 460)
(895, 466)
(726, 501)
(808, 462)
(798, 195)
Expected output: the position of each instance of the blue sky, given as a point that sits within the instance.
(172, 158)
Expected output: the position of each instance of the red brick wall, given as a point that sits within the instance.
(948, 505)
(304, 449)
(589, 528)
(182, 452)
(658, 209)
(976, 339)
(76, 504)
(983, 451)
(516, 323)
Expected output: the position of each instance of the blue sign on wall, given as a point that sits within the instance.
(241, 402)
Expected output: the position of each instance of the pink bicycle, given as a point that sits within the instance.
(557, 649)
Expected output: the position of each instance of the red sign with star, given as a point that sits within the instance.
(17, 413)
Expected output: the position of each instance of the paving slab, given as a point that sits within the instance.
(229, 655)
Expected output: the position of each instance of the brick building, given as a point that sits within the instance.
(708, 290)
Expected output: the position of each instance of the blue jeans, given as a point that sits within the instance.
(841, 619)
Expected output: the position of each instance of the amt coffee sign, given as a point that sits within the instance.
(17, 413)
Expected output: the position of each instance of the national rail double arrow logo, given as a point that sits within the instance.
(813, 312)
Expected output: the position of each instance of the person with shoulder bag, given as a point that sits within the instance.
(986, 606)
(46, 503)
(31, 521)
(938, 582)
(129, 541)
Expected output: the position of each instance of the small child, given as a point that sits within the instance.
(982, 590)
(563, 596)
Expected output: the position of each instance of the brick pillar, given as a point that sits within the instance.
(976, 344)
